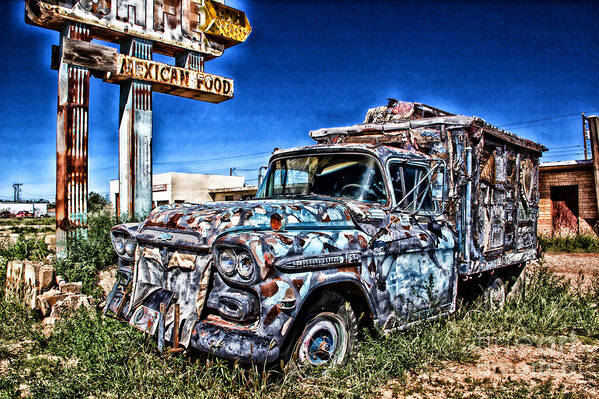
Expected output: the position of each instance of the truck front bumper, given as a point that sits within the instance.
(229, 342)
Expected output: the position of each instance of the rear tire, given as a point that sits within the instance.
(495, 293)
(329, 332)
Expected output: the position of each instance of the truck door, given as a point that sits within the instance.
(421, 274)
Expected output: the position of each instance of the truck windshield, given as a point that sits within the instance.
(351, 176)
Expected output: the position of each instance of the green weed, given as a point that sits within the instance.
(577, 243)
(92, 356)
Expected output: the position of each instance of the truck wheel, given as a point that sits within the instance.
(329, 334)
(495, 293)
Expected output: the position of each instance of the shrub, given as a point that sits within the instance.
(32, 249)
(575, 243)
(89, 254)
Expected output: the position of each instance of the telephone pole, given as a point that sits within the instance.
(17, 191)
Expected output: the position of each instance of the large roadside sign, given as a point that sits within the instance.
(205, 26)
(190, 31)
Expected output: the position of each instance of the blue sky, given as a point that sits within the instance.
(314, 64)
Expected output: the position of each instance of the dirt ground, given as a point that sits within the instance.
(568, 365)
(571, 366)
(580, 268)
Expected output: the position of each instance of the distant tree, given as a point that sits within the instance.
(95, 202)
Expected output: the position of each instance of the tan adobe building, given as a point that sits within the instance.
(174, 188)
(234, 194)
(569, 190)
(568, 203)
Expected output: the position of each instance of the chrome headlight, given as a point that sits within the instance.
(235, 263)
(245, 266)
(119, 244)
(130, 246)
(123, 240)
(227, 261)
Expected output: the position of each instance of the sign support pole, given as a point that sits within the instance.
(71, 145)
(135, 137)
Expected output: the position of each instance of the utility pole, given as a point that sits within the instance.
(585, 136)
(593, 122)
(17, 191)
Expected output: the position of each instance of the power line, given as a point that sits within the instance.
(539, 120)
(565, 146)
(544, 124)
(212, 159)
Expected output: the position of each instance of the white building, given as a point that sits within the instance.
(173, 188)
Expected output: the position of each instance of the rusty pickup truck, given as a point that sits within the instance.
(381, 223)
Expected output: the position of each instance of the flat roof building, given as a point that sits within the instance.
(234, 194)
(569, 190)
(568, 203)
(174, 188)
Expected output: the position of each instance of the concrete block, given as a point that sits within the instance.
(71, 303)
(48, 299)
(71, 288)
(46, 277)
(31, 287)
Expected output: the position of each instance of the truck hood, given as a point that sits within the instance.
(210, 220)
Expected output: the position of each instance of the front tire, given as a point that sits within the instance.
(329, 334)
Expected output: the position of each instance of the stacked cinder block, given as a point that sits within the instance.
(38, 286)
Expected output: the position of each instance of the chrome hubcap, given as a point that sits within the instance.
(323, 342)
(497, 295)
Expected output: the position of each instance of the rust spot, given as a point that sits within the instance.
(272, 315)
(363, 242)
(406, 227)
(266, 272)
(347, 215)
(371, 267)
(289, 294)
(285, 239)
(350, 238)
(173, 221)
(326, 218)
(423, 236)
(298, 283)
(408, 235)
(348, 269)
(268, 258)
(269, 289)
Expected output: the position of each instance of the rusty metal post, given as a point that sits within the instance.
(71, 145)
(584, 137)
(135, 137)
(593, 122)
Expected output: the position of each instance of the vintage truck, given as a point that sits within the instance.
(379, 223)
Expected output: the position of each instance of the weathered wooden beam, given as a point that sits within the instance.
(89, 55)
